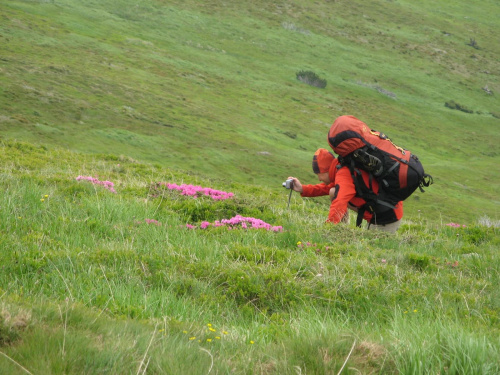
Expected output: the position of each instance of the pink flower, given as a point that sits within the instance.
(107, 184)
(152, 221)
(195, 191)
(455, 225)
(244, 222)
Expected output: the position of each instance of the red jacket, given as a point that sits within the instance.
(346, 193)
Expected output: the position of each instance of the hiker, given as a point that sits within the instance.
(338, 183)
(383, 174)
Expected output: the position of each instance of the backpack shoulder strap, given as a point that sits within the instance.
(366, 193)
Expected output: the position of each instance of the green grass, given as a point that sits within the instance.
(206, 94)
(89, 286)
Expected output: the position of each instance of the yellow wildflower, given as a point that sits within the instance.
(217, 337)
(252, 342)
(209, 340)
(192, 338)
(211, 329)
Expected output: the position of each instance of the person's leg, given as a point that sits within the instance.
(391, 228)
(351, 207)
(345, 218)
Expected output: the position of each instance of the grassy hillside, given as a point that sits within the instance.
(121, 274)
(211, 88)
(106, 268)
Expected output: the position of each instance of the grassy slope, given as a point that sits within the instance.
(83, 273)
(208, 88)
(204, 88)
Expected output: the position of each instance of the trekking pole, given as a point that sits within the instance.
(288, 184)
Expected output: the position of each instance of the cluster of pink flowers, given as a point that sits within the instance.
(455, 225)
(241, 221)
(107, 184)
(152, 221)
(196, 191)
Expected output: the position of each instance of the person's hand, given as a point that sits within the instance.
(297, 186)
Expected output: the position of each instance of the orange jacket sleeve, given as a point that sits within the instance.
(345, 191)
(316, 190)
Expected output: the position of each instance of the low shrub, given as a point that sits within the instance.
(454, 105)
(473, 43)
(476, 235)
(311, 78)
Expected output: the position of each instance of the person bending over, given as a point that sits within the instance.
(337, 183)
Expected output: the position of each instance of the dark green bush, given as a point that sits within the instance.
(473, 43)
(454, 105)
(311, 78)
(290, 135)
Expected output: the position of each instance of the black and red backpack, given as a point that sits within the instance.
(398, 172)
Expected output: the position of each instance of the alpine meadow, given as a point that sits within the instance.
(144, 228)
